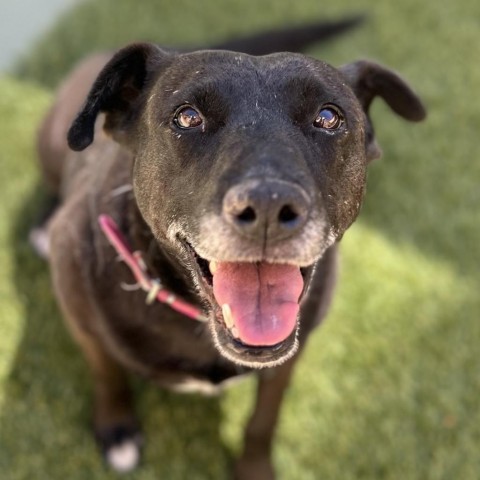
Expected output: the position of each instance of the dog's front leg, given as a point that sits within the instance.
(255, 462)
(114, 422)
(115, 425)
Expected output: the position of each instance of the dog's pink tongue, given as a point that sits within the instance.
(263, 299)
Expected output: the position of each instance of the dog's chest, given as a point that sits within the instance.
(159, 342)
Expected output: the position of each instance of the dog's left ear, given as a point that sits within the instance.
(369, 80)
(116, 92)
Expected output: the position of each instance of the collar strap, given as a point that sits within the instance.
(134, 260)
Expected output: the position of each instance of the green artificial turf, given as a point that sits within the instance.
(389, 388)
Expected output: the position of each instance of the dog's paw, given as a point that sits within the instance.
(121, 447)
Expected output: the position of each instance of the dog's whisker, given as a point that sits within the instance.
(121, 190)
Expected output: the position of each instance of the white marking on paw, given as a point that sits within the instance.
(124, 457)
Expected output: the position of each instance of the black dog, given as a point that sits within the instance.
(235, 176)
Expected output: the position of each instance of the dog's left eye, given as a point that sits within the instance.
(328, 118)
(187, 117)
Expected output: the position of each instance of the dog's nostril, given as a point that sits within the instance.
(264, 210)
(247, 215)
(287, 215)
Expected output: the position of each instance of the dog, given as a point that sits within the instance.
(234, 171)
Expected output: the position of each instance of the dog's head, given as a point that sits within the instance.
(249, 168)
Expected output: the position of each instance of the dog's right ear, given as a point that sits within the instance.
(369, 80)
(116, 91)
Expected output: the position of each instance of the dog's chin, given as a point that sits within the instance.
(226, 336)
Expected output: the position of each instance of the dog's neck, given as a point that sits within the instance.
(160, 262)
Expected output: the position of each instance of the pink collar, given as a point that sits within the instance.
(152, 286)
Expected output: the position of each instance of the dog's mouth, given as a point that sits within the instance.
(254, 307)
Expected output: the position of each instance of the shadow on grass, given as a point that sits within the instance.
(424, 191)
(45, 419)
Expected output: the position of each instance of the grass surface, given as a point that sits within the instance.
(389, 387)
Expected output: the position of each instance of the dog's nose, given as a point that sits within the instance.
(266, 210)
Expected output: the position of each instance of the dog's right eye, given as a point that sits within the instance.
(187, 117)
(329, 118)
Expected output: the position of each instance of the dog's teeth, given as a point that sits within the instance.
(227, 315)
(234, 332)
(213, 267)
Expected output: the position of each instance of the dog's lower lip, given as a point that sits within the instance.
(259, 348)
(254, 356)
